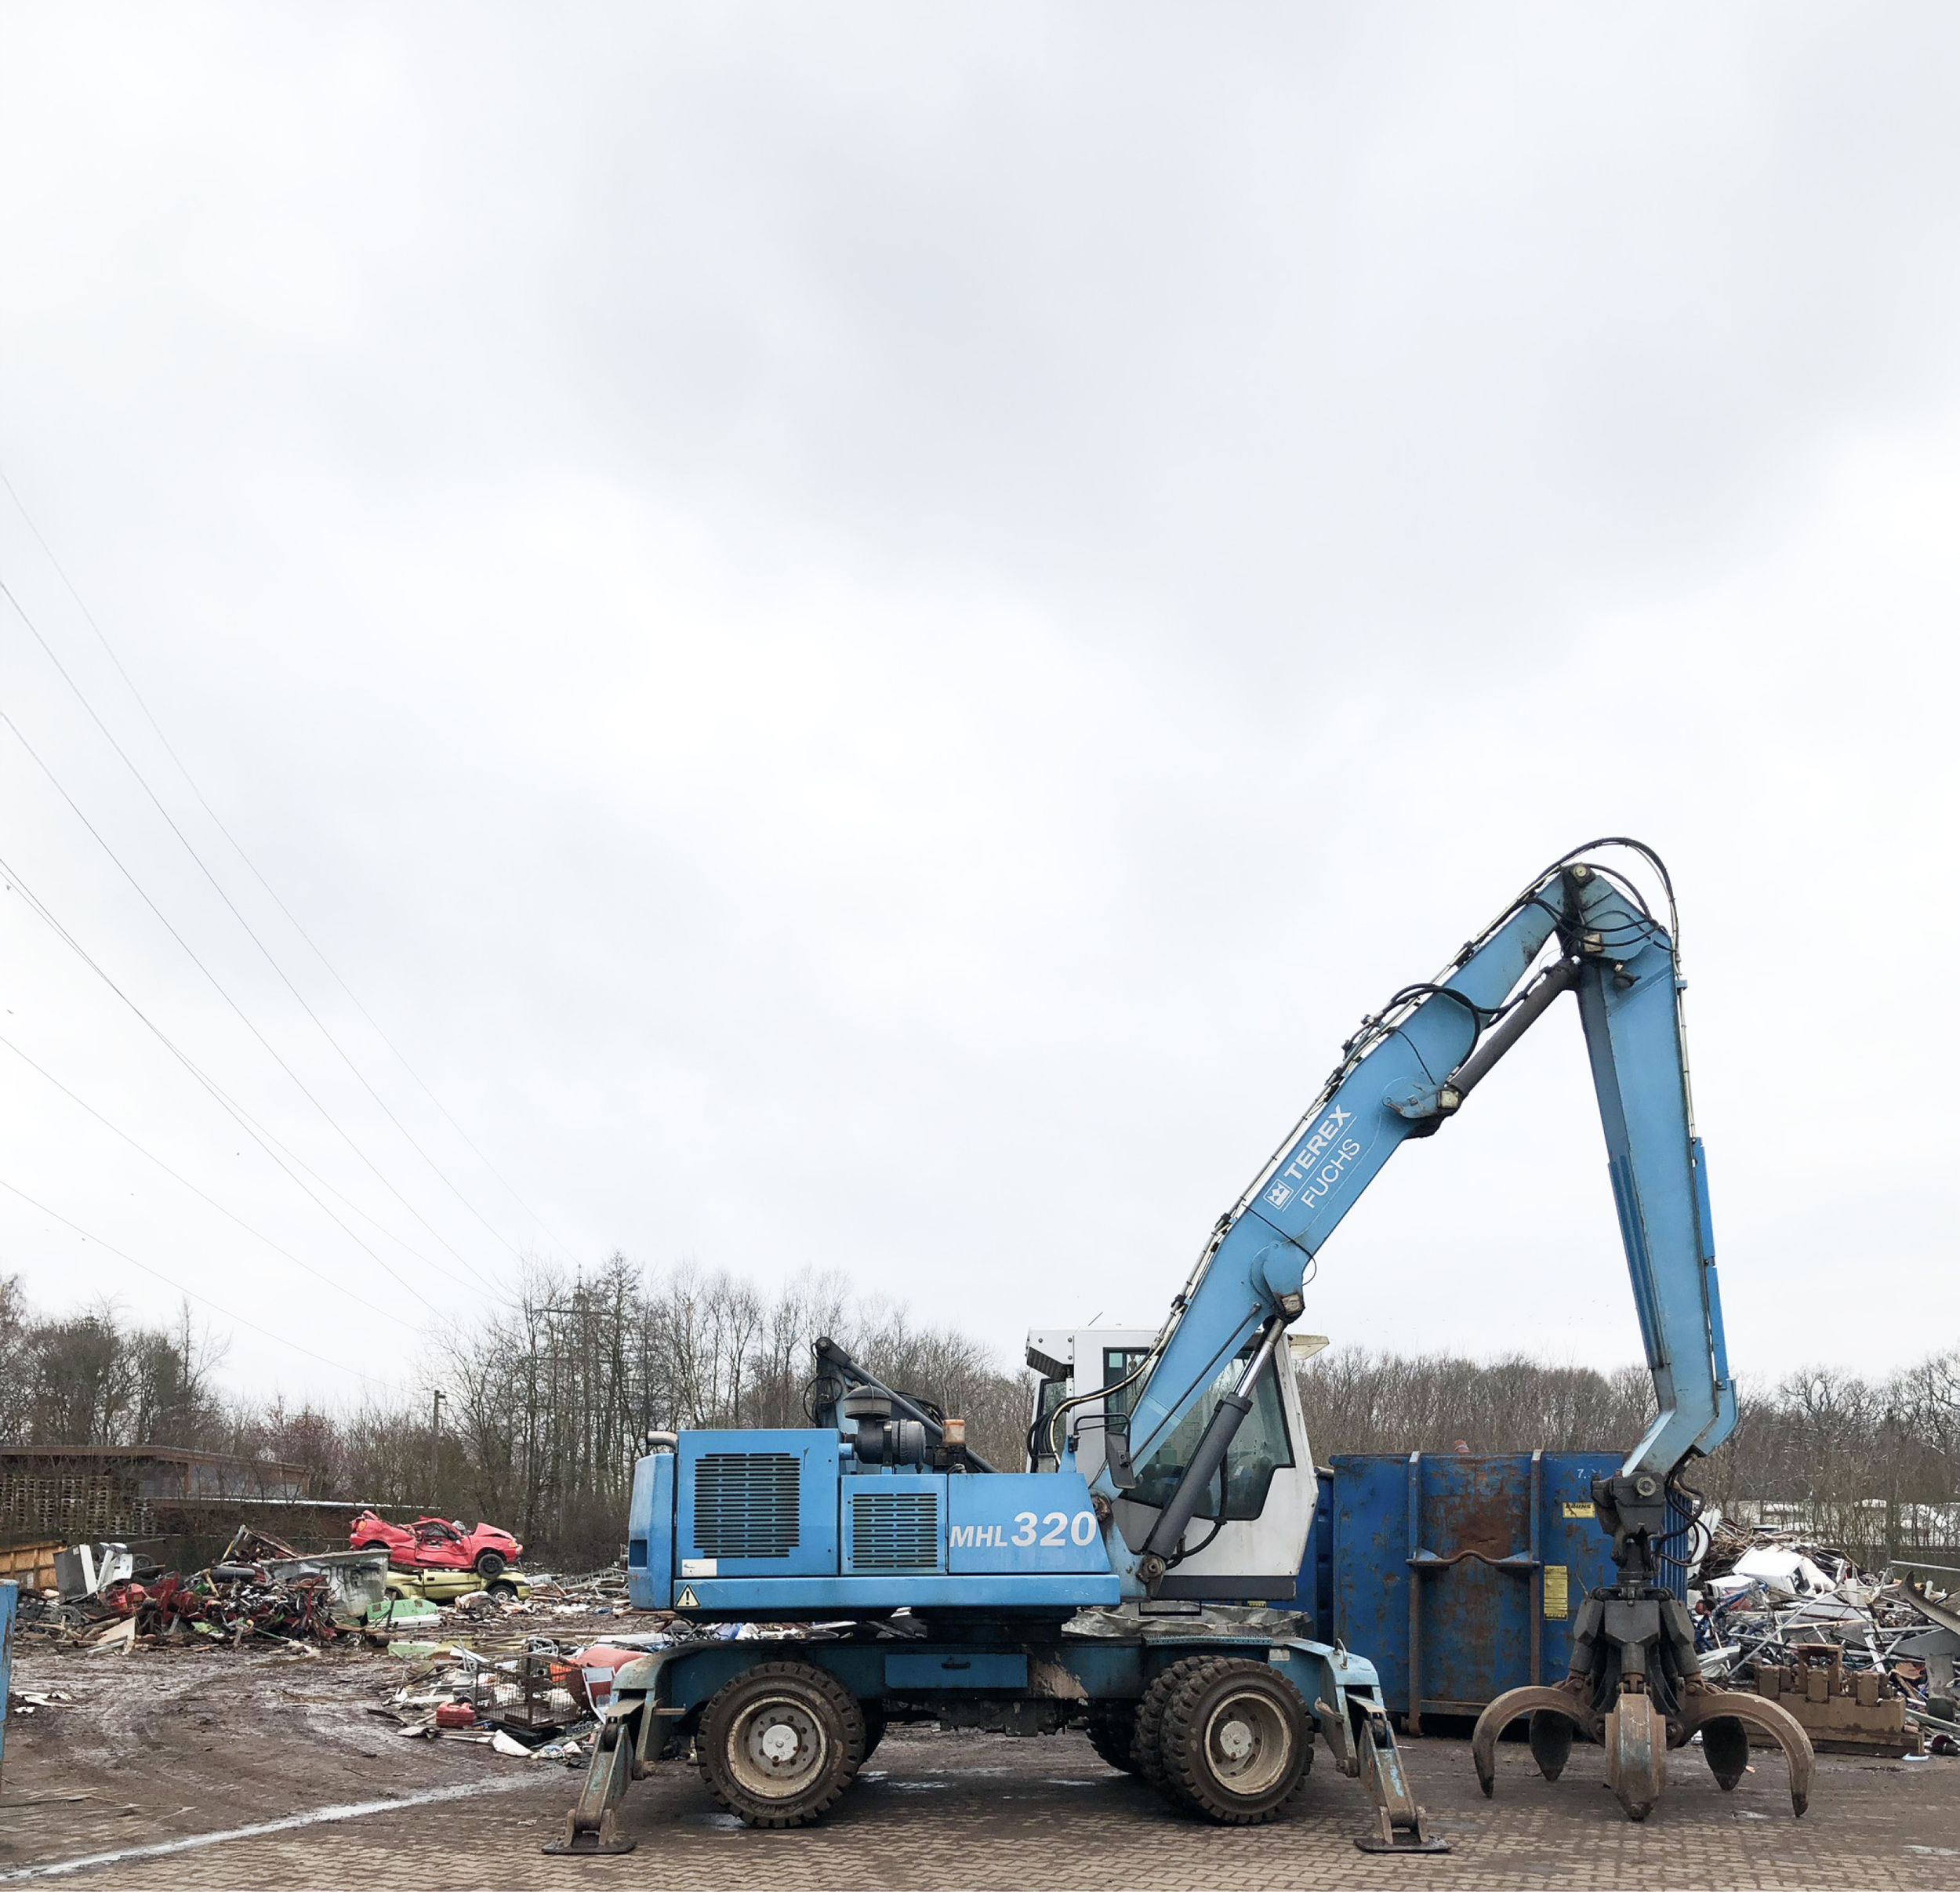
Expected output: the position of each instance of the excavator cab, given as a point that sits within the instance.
(1245, 1542)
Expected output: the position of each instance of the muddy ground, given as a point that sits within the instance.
(164, 1755)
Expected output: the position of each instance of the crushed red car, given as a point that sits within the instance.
(436, 1543)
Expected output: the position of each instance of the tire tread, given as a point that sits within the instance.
(1179, 1737)
(841, 1700)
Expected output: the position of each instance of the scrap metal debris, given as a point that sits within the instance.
(1865, 1662)
(545, 1699)
(259, 1588)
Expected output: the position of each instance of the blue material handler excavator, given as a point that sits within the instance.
(1126, 1580)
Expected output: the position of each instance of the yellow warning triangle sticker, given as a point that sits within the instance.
(687, 1599)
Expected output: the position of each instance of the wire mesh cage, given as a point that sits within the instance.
(540, 1692)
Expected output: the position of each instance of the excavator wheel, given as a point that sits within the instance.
(780, 1743)
(1147, 1743)
(1236, 1741)
(1112, 1733)
(874, 1713)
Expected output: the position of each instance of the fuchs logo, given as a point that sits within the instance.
(1319, 1162)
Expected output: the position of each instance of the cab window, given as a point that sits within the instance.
(1118, 1364)
(1041, 1452)
(1258, 1449)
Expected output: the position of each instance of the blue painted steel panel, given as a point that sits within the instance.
(765, 1597)
(1460, 1575)
(894, 1524)
(776, 1522)
(9, 1595)
(1313, 1595)
(760, 1504)
(650, 1533)
(930, 1671)
(1021, 1522)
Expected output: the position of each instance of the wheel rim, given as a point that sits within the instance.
(777, 1748)
(1248, 1745)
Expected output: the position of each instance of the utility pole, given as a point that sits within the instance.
(561, 1447)
(435, 1443)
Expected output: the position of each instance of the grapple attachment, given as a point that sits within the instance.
(1636, 1687)
(1638, 1736)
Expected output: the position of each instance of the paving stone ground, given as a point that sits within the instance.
(156, 1756)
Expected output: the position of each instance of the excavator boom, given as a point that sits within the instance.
(1577, 927)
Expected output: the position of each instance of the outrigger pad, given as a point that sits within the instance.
(1399, 1842)
(589, 1844)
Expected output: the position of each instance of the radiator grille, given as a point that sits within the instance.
(894, 1530)
(745, 1504)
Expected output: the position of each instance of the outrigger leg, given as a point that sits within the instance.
(592, 1826)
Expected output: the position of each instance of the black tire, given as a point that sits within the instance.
(1236, 1742)
(490, 1564)
(1112, 1733)
(753, 1772)
(1146, 1746)
(376, 1544)
(505, 1590)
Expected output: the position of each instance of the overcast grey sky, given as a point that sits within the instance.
(868, 631)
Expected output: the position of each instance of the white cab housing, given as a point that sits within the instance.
(1255, 1553)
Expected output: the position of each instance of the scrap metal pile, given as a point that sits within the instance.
(259, 1587)
(1865, 1662)
(262, 1589)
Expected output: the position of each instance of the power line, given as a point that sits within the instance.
(264, 1138)
(191, 1293)
(217, 986)
(284, 1158)
(237, 849)
(318, 1274)
(265, 951)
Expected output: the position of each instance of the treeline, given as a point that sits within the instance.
(545, 1402)
(1867, 1463)
(90, 1378)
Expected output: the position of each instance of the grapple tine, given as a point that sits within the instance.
(1550, 1742)
(1701, 1706)
(1636, 1740)
(1725, 1746)
(1534, 1701)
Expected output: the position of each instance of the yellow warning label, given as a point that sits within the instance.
(1556, 1606)
(688, 1600)
(1572, 1510)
